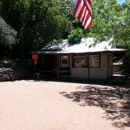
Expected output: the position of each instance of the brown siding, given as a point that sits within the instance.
(109, 68)
(95, 73)
(100, 73)
(79, 72)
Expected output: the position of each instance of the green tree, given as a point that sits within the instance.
(75, 35)
(36, 21)
(8, 37)
(111, 20)
(7, 34)
(66, 7)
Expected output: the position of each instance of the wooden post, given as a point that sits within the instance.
(126, 61)
(69, 63)
(88, 69)
(60, 67)
(35, 57)
(34, 76)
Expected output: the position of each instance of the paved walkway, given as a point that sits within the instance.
(39, 105)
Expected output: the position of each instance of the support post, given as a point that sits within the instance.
(126, 61)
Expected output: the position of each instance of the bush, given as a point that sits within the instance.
(17, 64)
(7, 34)
(21, 64)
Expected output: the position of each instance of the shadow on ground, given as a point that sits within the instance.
(114, 100)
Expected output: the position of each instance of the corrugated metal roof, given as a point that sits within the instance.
(86, 45)
(55, 45)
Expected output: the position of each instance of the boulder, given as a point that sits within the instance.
(6, 64)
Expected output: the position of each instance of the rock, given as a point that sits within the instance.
(5, 77)
(7, 74)
(6, 64)
(1, 71)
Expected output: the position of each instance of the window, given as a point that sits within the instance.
(64, 59)
(94, 61)
(79, 61)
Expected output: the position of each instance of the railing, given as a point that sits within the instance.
(64, 71)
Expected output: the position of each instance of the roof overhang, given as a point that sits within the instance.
(80, 53)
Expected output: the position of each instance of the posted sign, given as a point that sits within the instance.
(35, 57)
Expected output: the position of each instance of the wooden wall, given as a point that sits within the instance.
(78, 72)
(103, 72)
(100, 73)
(110, 66)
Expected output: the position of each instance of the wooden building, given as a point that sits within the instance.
(81, 60)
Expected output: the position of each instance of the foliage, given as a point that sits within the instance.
(36, 21)
(8, 37)
(21, 64)
(7, 34)
(18, 64)
(111, 20)
(75, 35)
(66, 7)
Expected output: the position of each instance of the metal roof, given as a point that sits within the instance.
(86, 45)
(55, 45)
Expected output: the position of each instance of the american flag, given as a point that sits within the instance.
(83, 12)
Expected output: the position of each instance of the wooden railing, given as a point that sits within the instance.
(64, 71)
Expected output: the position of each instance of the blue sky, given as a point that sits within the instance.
(120, 1)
